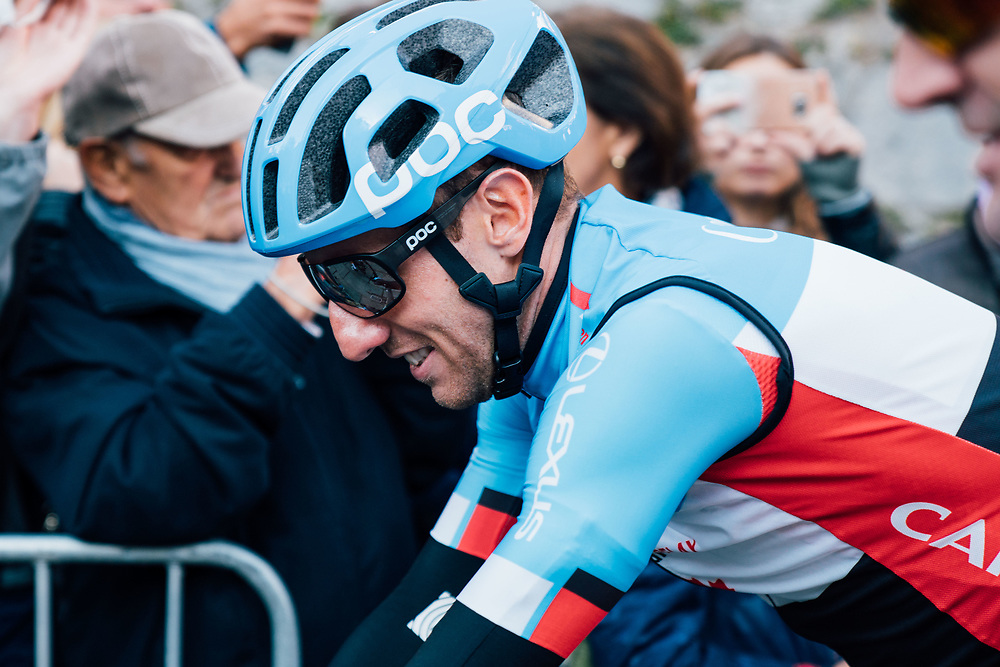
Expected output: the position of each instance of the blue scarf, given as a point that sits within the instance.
(212, 273)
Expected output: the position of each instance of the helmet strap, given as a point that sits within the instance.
(505, 300)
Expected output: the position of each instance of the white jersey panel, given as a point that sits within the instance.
(722, 537)
(932, 334)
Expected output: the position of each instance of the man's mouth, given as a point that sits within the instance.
(417, 357)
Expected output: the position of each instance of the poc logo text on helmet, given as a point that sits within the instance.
(362, 180)
(416, 237)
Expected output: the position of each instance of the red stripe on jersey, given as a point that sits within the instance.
(874, 481)
(765, 368)
(578, 298)
(485, 530)
(567, 621)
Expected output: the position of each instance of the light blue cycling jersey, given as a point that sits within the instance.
(629, 441)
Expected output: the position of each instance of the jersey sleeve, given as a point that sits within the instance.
(481, 510)
(487, 498)
(648, 404)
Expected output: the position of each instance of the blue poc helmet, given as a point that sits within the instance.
(368, 124)
(373, 118)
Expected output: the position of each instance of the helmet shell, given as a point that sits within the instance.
(365, 126)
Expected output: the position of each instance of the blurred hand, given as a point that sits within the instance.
(718, 121)
(245, 24)
(824, 132)
(289, 286)
(37, 59)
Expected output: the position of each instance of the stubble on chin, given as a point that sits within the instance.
(478, 389)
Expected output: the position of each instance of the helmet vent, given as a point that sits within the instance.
(270, 196)
(447, 51)
(542, 86)
(281, 83)
(403, 12)
(252, 233)
(302, 88)
(324, 176)
(399, 136)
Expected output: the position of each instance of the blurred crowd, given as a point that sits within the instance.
(162, 384)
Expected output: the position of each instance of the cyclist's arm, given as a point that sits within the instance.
(482, 508)
(623, 436)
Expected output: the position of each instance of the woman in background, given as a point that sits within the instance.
(800, 177)
(640, 134)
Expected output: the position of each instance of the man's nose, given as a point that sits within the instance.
(921, 77)
(357, 336)
(756, 138)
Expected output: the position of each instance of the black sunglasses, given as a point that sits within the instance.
(949, 27)
(369, 285)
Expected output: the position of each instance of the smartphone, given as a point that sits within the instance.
(784, 100)
(716, 85)
(771, 101)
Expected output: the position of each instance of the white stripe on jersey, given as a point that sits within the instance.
(751, 546)
(940, 343)
(505, 593)
(452, 518)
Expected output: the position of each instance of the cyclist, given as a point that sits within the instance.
(635, 365)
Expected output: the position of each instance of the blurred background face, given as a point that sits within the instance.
(193, 193)
(969, 81)
(749, 164)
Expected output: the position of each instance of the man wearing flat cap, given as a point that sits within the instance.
(167, 385)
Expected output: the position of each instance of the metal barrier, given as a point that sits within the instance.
(43, 550)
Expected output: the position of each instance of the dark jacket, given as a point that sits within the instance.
(861, 230)
(146, 420)
(958, 262)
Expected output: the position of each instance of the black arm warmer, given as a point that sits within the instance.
(465, 638)
(383, 639)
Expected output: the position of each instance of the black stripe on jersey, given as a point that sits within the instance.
(500, 502)
(982, 423)
(873, 618)
(595, 591)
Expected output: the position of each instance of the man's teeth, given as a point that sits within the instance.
(417, 357)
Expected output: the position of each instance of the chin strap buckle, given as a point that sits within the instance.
(504, 301)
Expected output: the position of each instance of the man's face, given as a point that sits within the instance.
(193, 193)
(970, 81)
(447, 341)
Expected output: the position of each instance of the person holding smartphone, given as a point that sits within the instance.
(781, 154)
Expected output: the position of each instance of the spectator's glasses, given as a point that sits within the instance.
(368, 285)
(949, 27)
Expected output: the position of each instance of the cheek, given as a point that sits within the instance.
(787, 171)
(716, 147)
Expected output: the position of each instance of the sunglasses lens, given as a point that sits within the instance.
(362, 286)
(947, 27)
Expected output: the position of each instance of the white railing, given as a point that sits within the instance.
(44, 550)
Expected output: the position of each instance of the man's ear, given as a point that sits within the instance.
(107, 168)
(506, 199)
